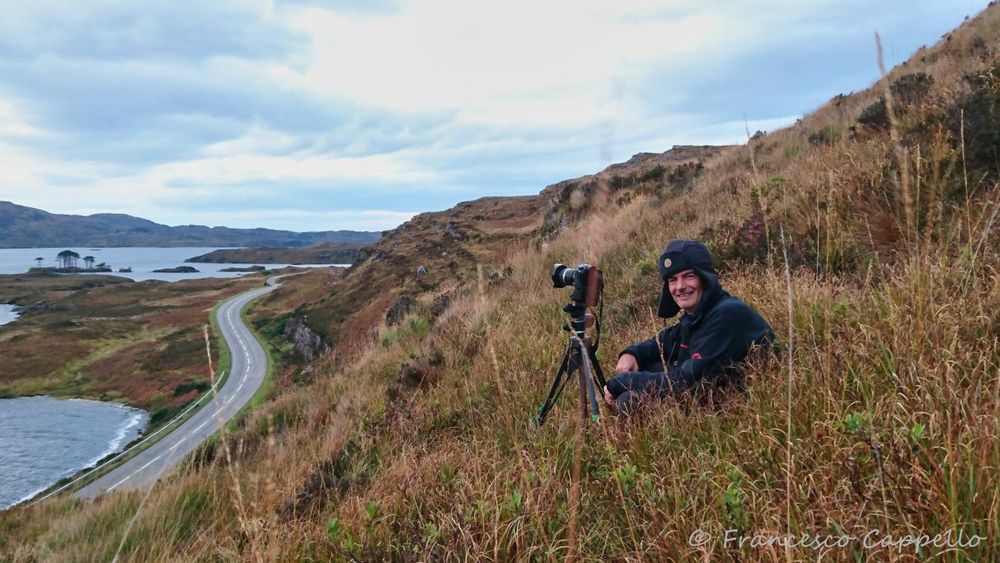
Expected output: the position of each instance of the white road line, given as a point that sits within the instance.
(112, 487)
(150, 462)
(200, 426)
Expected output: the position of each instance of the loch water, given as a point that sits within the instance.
(43, 439)
(141, 260)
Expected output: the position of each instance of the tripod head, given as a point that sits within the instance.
(580, 321)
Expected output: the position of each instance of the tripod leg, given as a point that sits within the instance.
(598, 372)
(587, 383)
(595, 386)
(556, 389)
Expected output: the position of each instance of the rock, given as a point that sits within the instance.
(246, 269)
(306, 342)
(177, 270)
(439, 304)
(400, 307)
(421, 271)
(451, 231)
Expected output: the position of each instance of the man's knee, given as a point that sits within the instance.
(628, 402)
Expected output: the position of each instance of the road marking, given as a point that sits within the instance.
(230, 399)
(112, 487)
(200, 426)
(151, 462)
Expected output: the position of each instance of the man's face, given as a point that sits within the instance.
(686, 289)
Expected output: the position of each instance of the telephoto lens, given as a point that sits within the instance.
(562, 276)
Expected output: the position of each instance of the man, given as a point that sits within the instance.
(715, 332)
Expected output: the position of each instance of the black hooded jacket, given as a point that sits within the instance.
(703, 345)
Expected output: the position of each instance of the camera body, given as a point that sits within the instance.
(587, 282)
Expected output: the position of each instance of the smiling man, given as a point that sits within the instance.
(714, 334)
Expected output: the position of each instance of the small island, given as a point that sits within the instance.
(329, 253)
(67, 261)
(74, 270)
(177, 270)
(247, 269)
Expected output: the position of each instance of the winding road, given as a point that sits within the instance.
(249, 365)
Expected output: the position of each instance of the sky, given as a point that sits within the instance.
(358, 114)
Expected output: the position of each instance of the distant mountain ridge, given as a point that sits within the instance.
(27, 227)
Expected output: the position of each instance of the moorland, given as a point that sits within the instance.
(112, 339)
(866, 233)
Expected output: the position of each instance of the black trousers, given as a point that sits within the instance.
(630, 387)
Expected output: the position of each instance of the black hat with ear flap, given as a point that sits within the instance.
(680, 255)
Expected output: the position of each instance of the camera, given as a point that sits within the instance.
(587, 282)
(563, 275)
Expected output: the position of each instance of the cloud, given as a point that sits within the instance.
(295, 219)
(313, 111)
(114, 30)
(13, 126)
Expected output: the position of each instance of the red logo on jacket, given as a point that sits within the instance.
(696, 356)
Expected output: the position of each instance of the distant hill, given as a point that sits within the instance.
(26, 227)
(326, 253)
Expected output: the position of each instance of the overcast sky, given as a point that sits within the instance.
(358, 114)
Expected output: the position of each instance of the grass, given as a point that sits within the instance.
(881, 416)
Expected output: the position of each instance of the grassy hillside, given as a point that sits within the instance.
(867, 234)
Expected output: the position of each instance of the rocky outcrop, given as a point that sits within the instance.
(177, 270)
(307, 343)
(330, 253)
(247, 269)
(400, 307)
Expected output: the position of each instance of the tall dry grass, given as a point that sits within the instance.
(881, 417)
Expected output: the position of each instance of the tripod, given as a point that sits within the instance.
(579, 357)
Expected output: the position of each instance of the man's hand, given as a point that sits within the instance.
(607, 397)
(626, 362)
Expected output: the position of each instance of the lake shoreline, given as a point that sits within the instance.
(45, 440)
(9, 313)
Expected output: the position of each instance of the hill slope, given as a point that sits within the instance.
(26, 227)
(867, 235)
(432, 257)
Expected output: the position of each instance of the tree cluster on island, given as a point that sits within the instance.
(67, 260)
